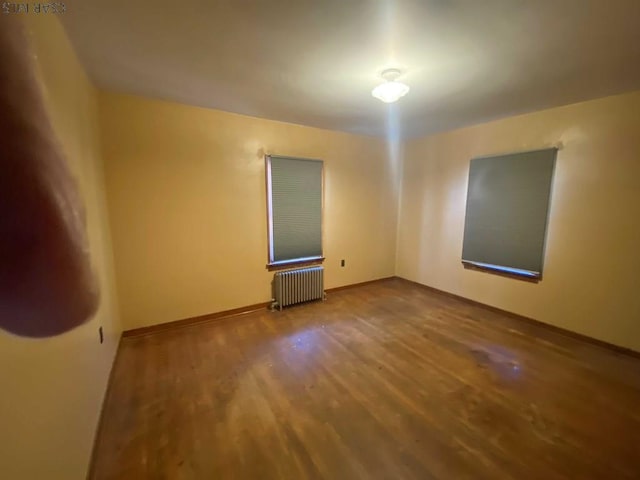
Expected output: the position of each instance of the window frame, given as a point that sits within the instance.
(294, 262)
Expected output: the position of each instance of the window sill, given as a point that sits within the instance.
(524, 275)
(297, 262)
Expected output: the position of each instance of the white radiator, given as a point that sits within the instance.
(297, 286)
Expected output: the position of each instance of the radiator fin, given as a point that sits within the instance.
(297, 286)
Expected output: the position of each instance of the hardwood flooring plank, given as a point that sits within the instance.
(386, 380)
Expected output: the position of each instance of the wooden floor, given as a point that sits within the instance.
(385, 381)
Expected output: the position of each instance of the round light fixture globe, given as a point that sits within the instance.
(390, 91)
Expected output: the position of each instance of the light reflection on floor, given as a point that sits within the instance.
(499, 360)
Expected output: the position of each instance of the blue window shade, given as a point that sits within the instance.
(507, 209)
(295, 201)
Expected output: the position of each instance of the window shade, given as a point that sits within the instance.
(296, 208)
(506, 216)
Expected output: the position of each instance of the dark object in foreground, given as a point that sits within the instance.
(46, 283)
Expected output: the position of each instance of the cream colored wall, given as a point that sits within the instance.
(52, 389)
(186, 193)
(592, 259)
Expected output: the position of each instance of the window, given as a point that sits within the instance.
(507, 209)
(294, 202)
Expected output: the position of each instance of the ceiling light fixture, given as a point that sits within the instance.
(390, 91)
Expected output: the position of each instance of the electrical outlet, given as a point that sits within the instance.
(342, 263)
(101, 334)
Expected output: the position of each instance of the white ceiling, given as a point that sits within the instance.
(314, 62)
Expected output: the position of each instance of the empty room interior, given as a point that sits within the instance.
(367, 239)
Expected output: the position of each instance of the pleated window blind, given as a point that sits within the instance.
(294, 197)
(507, 208)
